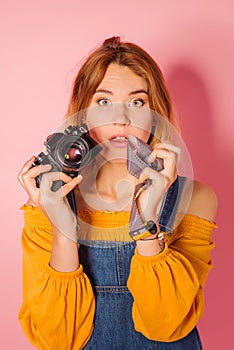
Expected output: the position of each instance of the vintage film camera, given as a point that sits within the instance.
(69, 152)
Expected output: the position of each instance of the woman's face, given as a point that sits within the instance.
(119, 107)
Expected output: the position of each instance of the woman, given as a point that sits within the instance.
(110, 291)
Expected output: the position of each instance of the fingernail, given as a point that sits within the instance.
(80, 177)
(160, 236)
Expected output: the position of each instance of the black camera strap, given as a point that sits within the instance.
(72, 202)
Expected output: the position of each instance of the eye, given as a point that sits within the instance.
(103, 102)
(136, 102)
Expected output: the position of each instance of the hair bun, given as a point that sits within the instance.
(112, 43)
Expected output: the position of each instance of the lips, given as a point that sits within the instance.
(119, 140)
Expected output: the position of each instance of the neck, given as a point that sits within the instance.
(115, 169)
(108, 186)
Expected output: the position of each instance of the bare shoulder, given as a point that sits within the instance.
(204, 202)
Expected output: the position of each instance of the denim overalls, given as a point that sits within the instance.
(107, 265)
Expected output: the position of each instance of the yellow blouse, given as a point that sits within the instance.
(58, 307)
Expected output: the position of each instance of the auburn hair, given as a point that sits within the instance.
(113, 50)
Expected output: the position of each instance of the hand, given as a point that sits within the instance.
(149, 199)
(53, 204)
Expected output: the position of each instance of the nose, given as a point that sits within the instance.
(120, 114)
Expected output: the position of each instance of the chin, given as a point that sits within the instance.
(116, 156)
(114, 160)
(118, 161)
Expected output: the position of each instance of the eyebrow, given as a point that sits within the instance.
(103, 91)
(135, 92)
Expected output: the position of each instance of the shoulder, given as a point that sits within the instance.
(203, 202)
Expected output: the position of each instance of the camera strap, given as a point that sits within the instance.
(72, 202)
(138, 229)
(137, 154)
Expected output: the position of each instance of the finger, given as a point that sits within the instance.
(25, 167)
(39, 169)
(47, 180)
(28, 180)
(170, 159)
(165, 155)
(174, 151)
(155, 176)
(28, 171)
(28, 177)
(29, 163)
(163, 179)
(68, 187)
(167, 145)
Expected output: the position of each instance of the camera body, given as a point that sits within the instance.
(68, 151)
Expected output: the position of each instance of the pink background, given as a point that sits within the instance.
(43, 43)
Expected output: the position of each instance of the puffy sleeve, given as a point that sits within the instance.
(58, 308)
(168, 288)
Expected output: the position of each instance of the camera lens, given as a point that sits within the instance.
(73, 155)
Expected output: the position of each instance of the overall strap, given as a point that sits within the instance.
(170, 204)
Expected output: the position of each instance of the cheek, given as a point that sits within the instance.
(143, 126)
(96, 133)
(142, 134)
(97, 116)
(142, 119)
